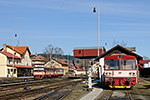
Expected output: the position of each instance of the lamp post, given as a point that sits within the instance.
(13, 55)
(94, 10)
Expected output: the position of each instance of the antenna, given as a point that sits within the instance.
(18, 42)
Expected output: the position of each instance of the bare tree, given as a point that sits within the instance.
(117, 42)
(51, 52)
(86, 65)
(58, 52)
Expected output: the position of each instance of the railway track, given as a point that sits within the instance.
(7, 81)
(147, 80)
(12, 86)
(120, 95)
(59, 93)
(31, 92)
(117, 94)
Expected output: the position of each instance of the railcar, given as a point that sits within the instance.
(120, 71)
(40, 72)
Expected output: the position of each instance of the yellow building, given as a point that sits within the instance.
(15, 61)
(58, 64)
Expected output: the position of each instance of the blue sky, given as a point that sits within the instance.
(71, 23)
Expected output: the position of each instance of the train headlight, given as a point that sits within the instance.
(129, 79)
(110, 79)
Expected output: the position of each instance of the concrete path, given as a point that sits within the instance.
(93, 94)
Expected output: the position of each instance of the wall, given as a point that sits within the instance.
(3, 67)
(26, 60)
(87, 52)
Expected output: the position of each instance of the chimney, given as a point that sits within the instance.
(36, 54)
(4, 47)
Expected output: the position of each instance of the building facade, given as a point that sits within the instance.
(15, 61)
(58, 63)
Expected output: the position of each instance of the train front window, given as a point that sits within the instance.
(112, 64)
(127, 64)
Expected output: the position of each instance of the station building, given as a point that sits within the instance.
(15, 61)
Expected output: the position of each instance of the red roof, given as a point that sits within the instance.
(77, 67)
(20, 66)
(20, 49)
(145, 61)
(60, 61)
(9, 55)
(38, 58)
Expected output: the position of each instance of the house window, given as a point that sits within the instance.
(17, 62)
(9, 61)
(8, 71)
(14, 71)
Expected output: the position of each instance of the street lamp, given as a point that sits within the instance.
(94, 10)
(13, 55)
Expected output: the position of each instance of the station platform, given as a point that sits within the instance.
(93, 94)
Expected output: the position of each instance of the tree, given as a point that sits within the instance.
(117, 42)
(57, 52)
(85, 65)
(50, 52)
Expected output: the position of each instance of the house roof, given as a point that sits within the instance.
(145, 61)
(77, 67)
(20, 49)
(60, 61)
(38, 58)
(9, 55)
(20, 66)
(122, 49)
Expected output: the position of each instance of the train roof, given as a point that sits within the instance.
(121, 49)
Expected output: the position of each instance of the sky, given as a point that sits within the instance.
(72, 23)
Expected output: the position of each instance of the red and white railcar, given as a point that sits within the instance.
(120, 71)
(40, 72)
